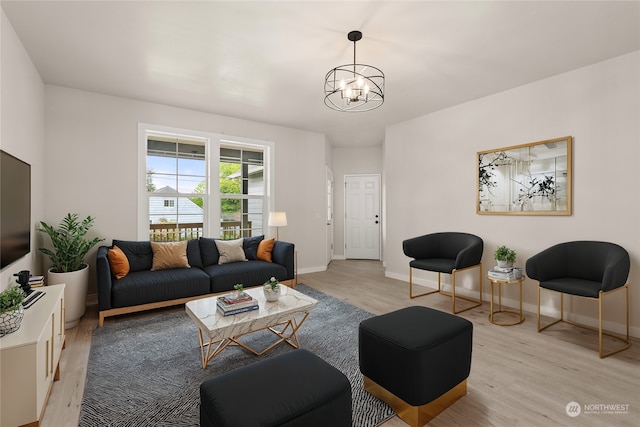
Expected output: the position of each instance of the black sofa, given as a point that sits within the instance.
(143, 289)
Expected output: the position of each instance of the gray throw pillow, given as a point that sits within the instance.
(230, 251)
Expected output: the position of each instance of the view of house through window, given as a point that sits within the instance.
(179, 201)
(176, 186)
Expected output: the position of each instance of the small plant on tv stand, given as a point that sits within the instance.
(11, 298)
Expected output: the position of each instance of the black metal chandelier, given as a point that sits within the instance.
(354, 87)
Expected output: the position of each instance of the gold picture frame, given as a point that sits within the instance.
(526, 179)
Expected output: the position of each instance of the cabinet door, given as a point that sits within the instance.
(44, 363)
(58, 335)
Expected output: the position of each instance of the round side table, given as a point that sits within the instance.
(492, 312)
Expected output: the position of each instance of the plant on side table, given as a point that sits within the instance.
(271, 289)
(505, 256)
(67, 262)
(11, 310)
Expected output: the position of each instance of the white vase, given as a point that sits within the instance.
(271, 294)
(75, 293)
(504, 264)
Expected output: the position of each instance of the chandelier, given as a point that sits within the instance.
(354, 87)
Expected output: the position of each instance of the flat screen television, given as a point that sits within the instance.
(15, 209)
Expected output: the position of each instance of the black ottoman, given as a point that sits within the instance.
(293, 389)
(417, 360)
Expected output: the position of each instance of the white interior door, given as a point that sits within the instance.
(362, 216)
(329, 215)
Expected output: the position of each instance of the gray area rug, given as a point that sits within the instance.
(146, 369)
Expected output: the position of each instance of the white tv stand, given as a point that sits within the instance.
(30, 360)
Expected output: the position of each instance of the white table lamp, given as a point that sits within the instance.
(277, 219)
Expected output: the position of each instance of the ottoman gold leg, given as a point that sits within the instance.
(416, 416)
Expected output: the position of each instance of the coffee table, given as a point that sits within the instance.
(283, 317)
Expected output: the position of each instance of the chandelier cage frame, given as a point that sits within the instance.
(350, 90)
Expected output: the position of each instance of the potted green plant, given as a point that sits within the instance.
(271, 289)
(505, 256)
(70, 247)
(11, 310)
(239, 290)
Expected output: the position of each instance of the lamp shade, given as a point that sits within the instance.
(277, 219)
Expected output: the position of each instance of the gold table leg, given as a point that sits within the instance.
(290, 338)
(493, 312)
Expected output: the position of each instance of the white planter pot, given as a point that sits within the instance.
(271, 294)
(504, 264)
(75, 293)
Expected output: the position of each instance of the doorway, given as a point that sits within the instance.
(329, 218)
(362, 216)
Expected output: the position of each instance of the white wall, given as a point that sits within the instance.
(431, 172)
(91, 149)
(22, 132)
(350, 161)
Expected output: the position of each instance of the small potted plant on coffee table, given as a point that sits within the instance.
(505, 257)
(11, 310)
(239, 290)
(272, 289)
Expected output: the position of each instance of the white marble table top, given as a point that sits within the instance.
(218, 327)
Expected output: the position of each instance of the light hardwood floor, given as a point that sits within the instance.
(519, 377)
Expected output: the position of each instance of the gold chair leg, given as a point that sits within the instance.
(540, 329)
(625, 340)
(411, 295)
(478, 302)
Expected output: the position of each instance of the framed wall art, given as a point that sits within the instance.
(527, 179)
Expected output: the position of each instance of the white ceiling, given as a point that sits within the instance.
(266, 60)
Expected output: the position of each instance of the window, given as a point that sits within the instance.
(199, 184)
(242, 190)
(176, 187)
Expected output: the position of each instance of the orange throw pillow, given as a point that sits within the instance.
(264, 249)
(118, 262)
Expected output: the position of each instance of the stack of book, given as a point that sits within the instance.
(502, 273)
(229, 304)
(36, 281)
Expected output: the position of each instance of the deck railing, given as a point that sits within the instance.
(172, 232)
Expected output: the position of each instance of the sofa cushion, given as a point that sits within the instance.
(139, 254)
(249, 273)
(118, 262)
(193, 253)
(209, 251)
(250, 246)
(142, 287)
(265, 248)
(230, 251)
(168, 255)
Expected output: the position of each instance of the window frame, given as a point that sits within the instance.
(213, 142)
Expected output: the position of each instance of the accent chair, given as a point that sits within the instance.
(446, 252)
(587, 269)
